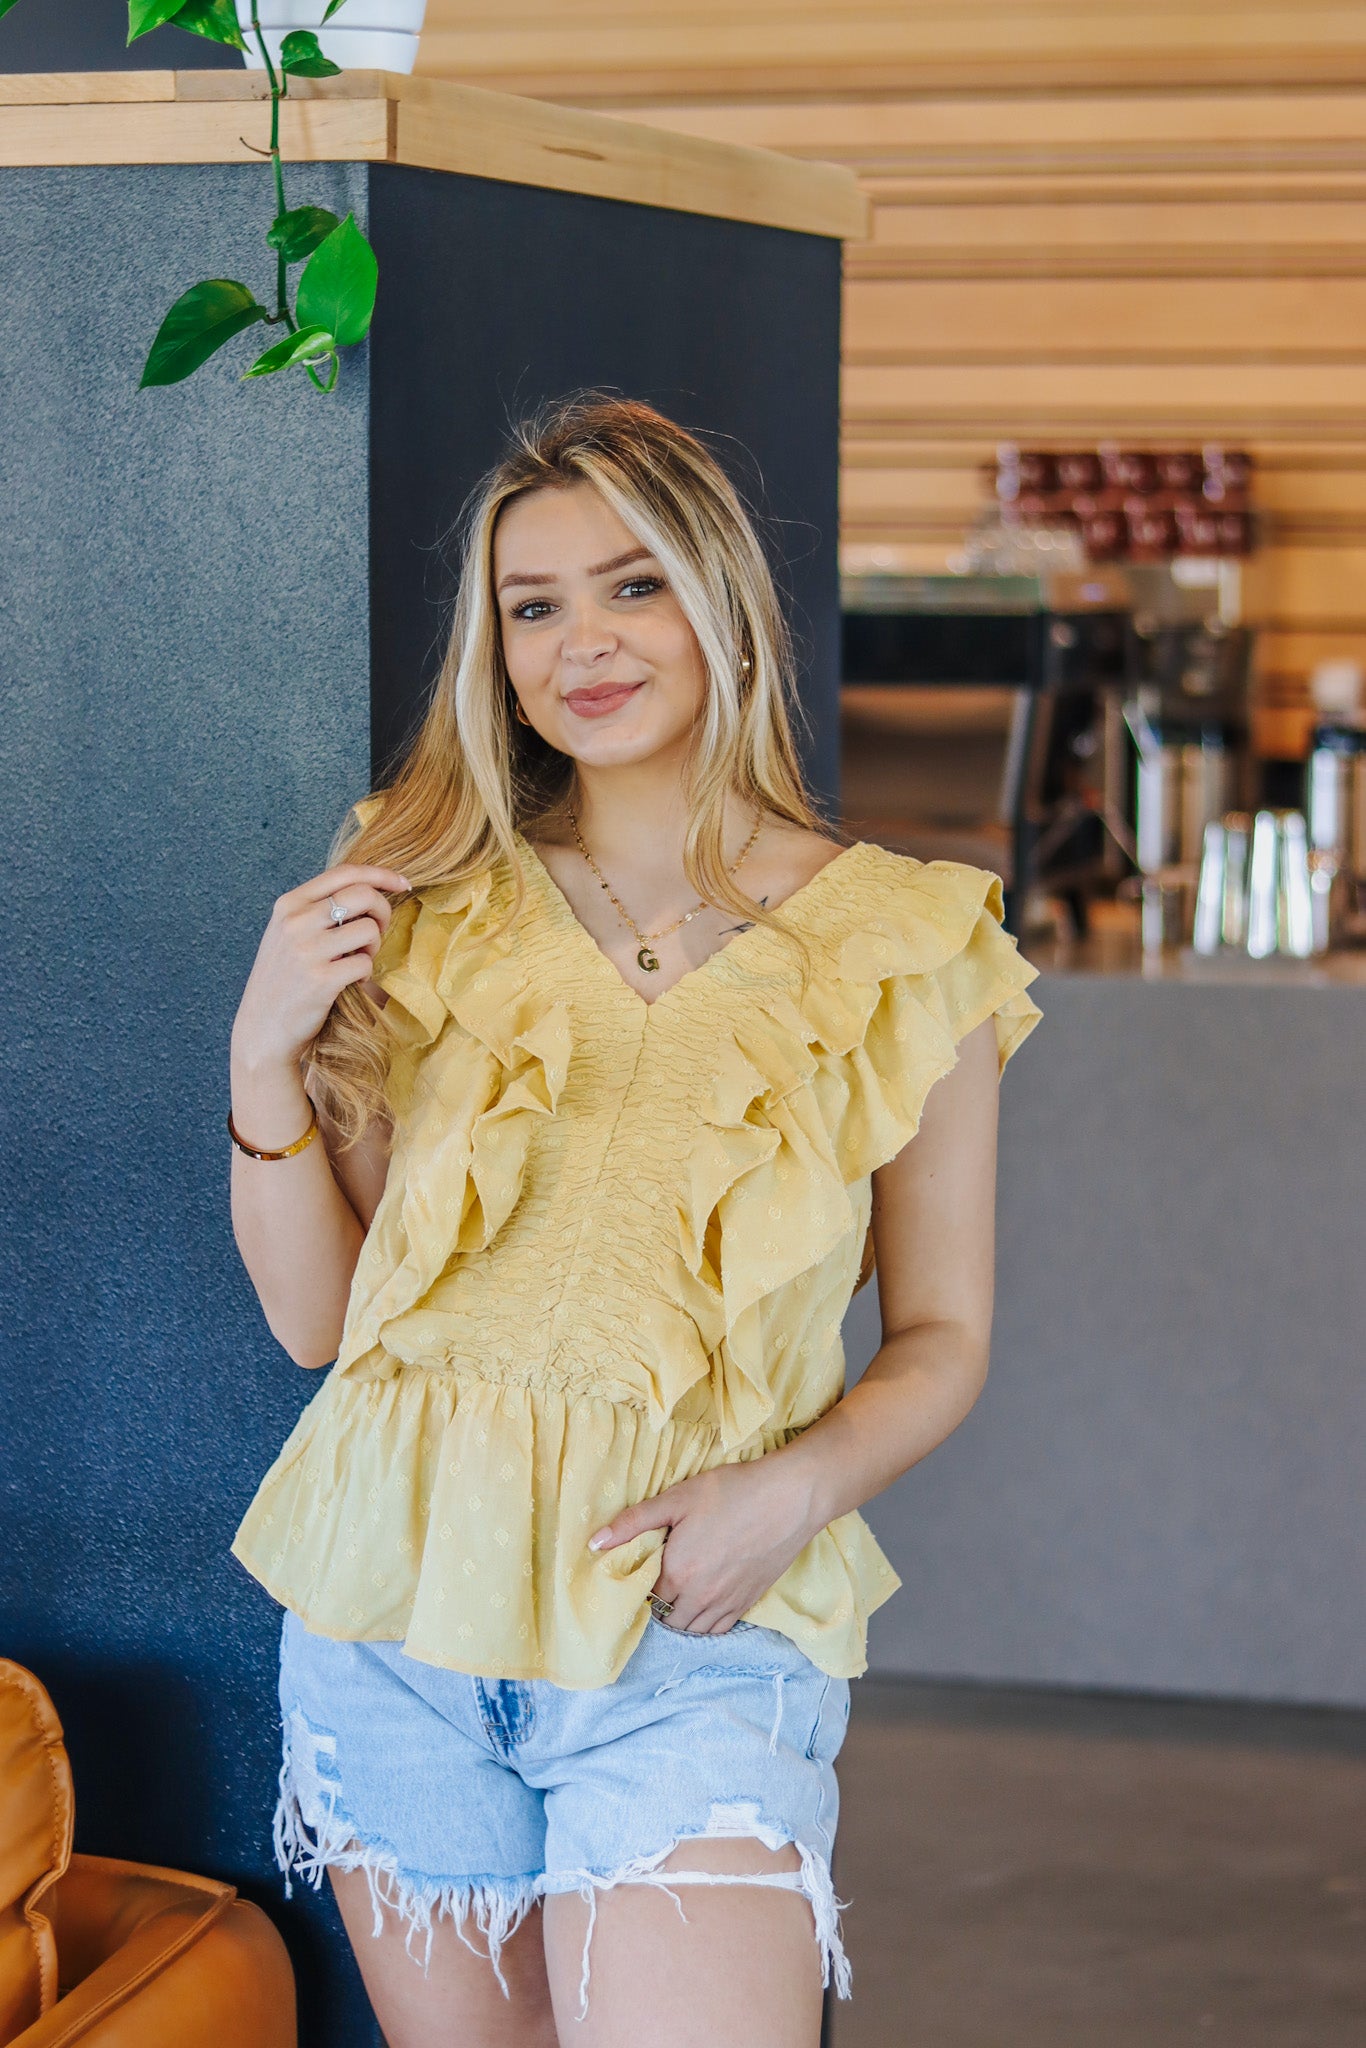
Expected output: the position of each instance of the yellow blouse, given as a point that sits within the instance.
(615, 1247)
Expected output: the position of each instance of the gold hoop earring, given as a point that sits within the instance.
(520, 715)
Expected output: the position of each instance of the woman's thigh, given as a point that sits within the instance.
(739, 1971)
(691, 1809)
(393, 1786)
(457, 2001)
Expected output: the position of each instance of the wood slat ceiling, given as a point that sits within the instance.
(637, 49)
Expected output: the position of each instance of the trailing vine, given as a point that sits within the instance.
(334, 299)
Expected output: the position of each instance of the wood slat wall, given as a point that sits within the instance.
(1091, 221)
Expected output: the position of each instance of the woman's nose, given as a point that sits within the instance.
(588, 636)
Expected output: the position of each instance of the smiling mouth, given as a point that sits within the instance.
(600, 698)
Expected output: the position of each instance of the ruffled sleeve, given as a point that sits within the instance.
(816, 1085)
(927, 964)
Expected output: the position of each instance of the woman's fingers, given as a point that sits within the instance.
(319, 887)
(359, 902)
(308, 955)
(354, 886)
(351, 937)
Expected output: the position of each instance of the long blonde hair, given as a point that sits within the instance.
(474, 776)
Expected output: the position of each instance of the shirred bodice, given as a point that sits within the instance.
(615, 1247)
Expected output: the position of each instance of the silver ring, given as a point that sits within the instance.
(659, 1608)
(336, 912)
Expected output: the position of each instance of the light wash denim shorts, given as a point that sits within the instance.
(474, 1797)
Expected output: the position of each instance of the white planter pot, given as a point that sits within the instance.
(363, 35)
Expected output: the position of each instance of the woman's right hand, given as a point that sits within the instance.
(305, 960)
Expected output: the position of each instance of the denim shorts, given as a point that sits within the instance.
(474, 1797)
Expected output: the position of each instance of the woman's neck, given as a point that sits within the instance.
(632, 816)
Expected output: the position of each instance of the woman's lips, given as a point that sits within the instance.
(600, 699)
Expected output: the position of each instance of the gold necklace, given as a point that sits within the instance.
(647, 959)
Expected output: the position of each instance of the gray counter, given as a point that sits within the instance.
(1161, 1487)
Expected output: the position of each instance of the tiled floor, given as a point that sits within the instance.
(1032, 1870)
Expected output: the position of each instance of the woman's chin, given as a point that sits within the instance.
(628, 746)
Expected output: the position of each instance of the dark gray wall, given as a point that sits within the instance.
(193, 583)
(92, 35)
(185, 662)
(729, 328)
(1161, 1487)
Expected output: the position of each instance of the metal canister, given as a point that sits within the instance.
(1185, 777)
(1337, 797)
(1184, 783)
(1282, 914)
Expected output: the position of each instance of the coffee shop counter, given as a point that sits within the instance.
(1161, 1486)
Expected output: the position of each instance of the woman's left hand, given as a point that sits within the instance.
(733, 1531)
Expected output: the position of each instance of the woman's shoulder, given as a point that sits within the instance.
(859, 880)
(786, 859)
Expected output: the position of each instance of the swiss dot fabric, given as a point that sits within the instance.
(615, 1247)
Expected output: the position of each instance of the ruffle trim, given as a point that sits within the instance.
(816, 1089)
(479, 1054)
(818, 1078)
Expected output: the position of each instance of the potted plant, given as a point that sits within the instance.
(333, 300)
(358, 35)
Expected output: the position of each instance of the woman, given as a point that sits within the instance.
(615, 1054)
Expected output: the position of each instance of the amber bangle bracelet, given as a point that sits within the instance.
(256, 1152)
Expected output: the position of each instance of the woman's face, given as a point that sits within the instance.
(602, 659)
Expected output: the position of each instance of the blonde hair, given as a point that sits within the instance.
(474, 776)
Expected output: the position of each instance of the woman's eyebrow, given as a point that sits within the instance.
(516, 578)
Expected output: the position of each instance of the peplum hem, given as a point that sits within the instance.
(452, 1514)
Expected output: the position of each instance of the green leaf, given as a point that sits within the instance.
(145, 15)
(337, 289)
(332, 6)
(199, 322)
(298, 233)
(309, 345)
(302, 57)
(216, 19)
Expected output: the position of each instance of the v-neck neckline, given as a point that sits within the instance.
(563, 910)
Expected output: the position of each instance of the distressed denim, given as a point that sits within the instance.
(475, 1797)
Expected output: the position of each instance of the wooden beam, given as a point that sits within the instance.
(460, 128)
(848, 127)
(187, 132)
(1259, 318)
(432, 124)
(72, 88)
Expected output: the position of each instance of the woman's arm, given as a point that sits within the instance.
(934, 1230)
(734, 1530)
(299, 1222)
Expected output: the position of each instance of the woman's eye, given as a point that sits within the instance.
(637, 584)
(534, 608)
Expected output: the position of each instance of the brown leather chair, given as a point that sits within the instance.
(113, 1954)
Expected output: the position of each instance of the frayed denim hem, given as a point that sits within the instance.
(737, 1820)
(311, 1837)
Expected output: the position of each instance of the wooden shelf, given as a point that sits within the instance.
(179, 117)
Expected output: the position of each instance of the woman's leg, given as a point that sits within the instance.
(458, 2002)
(392, 1786)
(740, 1971)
